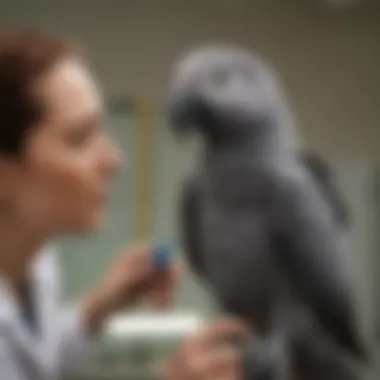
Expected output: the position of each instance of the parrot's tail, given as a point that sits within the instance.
(319, 358)
(360, 353)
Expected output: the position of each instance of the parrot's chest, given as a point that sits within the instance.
(239, 263)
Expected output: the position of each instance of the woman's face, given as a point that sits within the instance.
(63, 181)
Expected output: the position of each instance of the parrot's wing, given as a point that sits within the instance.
(320, 171)
(189, 221)
(308, 248)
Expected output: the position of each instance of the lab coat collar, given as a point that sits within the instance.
(40, 274)
(28, 345)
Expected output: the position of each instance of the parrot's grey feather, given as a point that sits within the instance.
(260, 219)
(321, 172)
(309, 251)
(313, 163)
(319, 355)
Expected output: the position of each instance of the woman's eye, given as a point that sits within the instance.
(78, 140)
(82, 137)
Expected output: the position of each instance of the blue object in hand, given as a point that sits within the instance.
(161, 256)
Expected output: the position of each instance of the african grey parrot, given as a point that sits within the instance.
(261, 224)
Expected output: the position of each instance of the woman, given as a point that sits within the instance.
(56, 164)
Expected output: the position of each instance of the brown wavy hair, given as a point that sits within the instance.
(25, 56)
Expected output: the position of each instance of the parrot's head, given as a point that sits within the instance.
(223, 92)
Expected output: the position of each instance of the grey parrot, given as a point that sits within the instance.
(261, 221)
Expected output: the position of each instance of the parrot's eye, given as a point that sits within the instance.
(219, 77)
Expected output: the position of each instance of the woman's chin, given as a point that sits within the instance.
(96, 224)
(91, 225)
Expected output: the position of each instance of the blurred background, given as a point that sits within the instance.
(327, 53)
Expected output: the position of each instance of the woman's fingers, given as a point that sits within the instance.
(202, 357)
(209, 358)
(220, 332)
(223, 363)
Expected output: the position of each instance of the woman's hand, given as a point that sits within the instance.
(205, 357)
(129, 279)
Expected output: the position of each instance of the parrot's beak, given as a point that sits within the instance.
(185, 111)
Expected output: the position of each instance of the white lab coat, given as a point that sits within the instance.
(61, 345)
